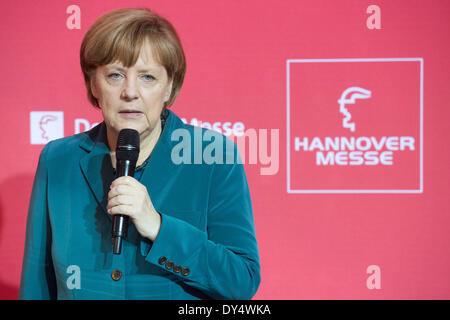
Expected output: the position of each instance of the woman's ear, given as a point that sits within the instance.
(168, 92)
(93, 87)
(92, 83)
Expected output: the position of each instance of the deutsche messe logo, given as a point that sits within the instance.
(46, 126)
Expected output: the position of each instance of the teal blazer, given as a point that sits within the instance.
(206, 247)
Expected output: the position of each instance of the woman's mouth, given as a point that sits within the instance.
(130, 113)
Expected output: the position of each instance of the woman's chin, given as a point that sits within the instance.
(142, 127)
(116, 129)
(129, 124)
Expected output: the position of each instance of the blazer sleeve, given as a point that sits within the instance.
(224, 262)
(38, 276)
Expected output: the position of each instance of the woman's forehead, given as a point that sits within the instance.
(146, 59)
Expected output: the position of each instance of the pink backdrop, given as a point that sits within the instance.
(322, 229)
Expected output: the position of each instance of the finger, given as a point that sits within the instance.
(128, 181)
(120, 200)
(124, 180)
(121, 209)
(121, 190)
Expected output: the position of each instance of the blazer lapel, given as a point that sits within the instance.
(160, 173)
(158, 176)
(96, 165)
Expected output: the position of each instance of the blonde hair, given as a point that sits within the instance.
(119, 35)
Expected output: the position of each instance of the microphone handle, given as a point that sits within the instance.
(120, 221)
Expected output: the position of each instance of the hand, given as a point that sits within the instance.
(129, 197)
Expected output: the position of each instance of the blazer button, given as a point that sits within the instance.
(116, 275)
(177, 269)
(185, 271)
(169, 265)
(162, 260)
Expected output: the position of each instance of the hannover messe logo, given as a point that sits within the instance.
(355, 125)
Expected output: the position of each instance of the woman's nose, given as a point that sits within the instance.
(130, 90)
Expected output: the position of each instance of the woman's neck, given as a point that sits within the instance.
(147, 144)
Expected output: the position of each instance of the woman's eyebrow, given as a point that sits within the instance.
(125, 69)
(147, 70)
(110, 68)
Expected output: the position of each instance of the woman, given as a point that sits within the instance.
(191, 232)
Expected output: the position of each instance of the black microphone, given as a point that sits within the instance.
(127, 153)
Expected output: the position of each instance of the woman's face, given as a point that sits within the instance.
(132, 97)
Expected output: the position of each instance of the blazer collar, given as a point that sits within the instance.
(96, 164)
(98, 171)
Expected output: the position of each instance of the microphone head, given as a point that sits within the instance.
(127, 145)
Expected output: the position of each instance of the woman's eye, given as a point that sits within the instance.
(114, 75)
(148, 77)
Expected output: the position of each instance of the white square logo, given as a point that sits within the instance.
(355, 125)
(46, 126)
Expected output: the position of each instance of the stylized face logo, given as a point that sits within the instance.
(348, 97)
(43, 122)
